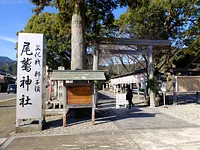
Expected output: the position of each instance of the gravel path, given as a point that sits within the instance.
(75, 126)
(187, 112)
(78, 127)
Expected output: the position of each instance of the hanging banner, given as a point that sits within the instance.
(29, 76)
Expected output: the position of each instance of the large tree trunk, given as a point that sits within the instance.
(78, 59)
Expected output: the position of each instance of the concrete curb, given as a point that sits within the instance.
(6, 142)
(9, 99)
(2, 140)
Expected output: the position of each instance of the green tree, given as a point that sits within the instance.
(84, 14)
(57, 35)
(14, 68)
(5, 68)
(192, 39)
(161, 20)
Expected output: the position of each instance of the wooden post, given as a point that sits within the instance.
(55, 89)
(93, 103)
(145, 89)
(64, 104)
(95, 96)
(197, 97)
(175, 90)
(150, 72)
(44, 90)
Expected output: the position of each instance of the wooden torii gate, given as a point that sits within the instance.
(126, 42)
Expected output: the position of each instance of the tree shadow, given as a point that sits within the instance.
(78, 119)
(53, 124)
(181, 99)
(142, 115)
(106, 105)
(105, 112)
(102, 96)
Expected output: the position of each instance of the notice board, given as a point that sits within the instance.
(79, 94)
(188, 83)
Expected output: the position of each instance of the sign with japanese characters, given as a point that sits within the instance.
(29, 76)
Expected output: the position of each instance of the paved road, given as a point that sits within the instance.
(4, 96)
(140, 128)
(7, 118)
(93, 141)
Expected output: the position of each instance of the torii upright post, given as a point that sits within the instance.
(96, 57)
(95, 67)
(150, 72)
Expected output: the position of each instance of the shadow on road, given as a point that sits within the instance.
(105, 112)
(182, 99)
(4, 106)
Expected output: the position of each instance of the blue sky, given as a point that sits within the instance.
(14, 15)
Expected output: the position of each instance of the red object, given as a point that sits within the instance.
(51, 90)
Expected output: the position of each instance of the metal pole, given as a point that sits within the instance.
(164, 98)
(145, 89)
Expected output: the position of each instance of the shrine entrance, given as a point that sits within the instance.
(73, 96)
(129, 47)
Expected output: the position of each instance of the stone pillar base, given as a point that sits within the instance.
(28, 128)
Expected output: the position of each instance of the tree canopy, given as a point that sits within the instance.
(176, 20)
(96, 18)
(57, 36)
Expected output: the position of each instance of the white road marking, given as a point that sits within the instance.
(91, 145)
(9, 99)
(69, 145)
(105, 146)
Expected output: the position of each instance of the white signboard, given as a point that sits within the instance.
(164, 86)
(29, 76)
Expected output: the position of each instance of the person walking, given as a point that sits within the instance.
(129, 97)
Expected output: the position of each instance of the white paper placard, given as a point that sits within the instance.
(29, 76)
(164, 87)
